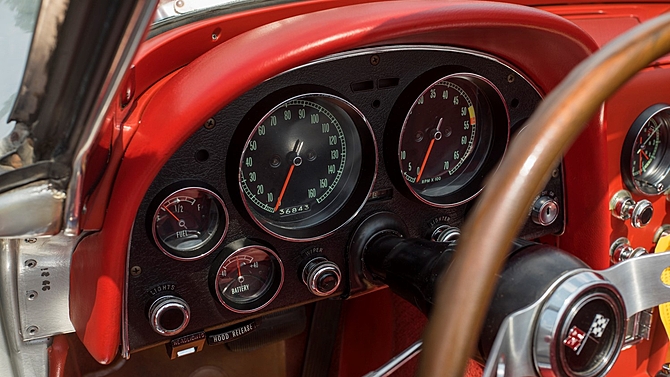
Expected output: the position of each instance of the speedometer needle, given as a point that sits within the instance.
(430, 148)
(283, 189)
(297, 160)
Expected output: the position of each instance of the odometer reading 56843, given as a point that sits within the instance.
(300, 165)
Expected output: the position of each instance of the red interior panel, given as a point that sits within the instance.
(543, 46)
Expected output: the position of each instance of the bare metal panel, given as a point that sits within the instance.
(31, 210)
(43, 283)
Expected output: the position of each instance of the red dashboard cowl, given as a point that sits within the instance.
(544, 46)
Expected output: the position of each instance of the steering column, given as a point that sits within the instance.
(550, 315)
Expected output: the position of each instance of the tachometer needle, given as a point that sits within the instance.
(430, 148)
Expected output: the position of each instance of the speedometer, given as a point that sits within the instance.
(302, 173)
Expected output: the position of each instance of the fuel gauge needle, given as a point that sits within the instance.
(430, 148)
(297, 160)
(170, 212)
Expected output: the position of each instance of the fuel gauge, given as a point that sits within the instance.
(189, 223)
(248, 276)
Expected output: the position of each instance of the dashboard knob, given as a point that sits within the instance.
(321, 276)
(621, 250)
(545, 211)
(169, 315)
(623, 207)
(445, 233)
(642, 213)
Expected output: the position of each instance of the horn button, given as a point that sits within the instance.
(579, 332)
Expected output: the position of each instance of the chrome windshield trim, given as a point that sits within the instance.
(133, 35)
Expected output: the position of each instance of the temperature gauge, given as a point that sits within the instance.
(645, 161)
(189, 223)
(248, 277)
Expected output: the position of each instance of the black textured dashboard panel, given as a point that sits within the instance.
(372, 80)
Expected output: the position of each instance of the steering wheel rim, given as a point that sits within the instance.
(450, 336)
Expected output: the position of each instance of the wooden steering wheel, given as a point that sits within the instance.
(500, 212)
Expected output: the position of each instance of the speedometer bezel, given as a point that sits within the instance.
(348, 206)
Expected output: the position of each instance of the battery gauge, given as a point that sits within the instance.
(247, 276)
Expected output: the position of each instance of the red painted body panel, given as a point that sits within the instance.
(57, 356)
(169, 109)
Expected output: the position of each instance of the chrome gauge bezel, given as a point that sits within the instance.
(268, 294)
(211, 243)
(346, 205)
(492, 140)
(657, 180)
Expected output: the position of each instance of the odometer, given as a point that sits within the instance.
(300, 168)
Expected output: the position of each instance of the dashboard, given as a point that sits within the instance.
(201, 99)
(256, 211)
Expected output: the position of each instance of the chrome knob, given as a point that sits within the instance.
(662, 231)
(321, 276)
(665, 371)
(623, 207)
(545, 211)
(445, 233)
(621, 250)
(169, 315)
(642, 213)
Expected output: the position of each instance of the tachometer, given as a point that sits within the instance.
(302, 173)
(645, 161)
(454, 134)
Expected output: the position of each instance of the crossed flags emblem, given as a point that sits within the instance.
(577, 337)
